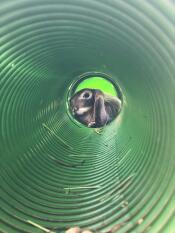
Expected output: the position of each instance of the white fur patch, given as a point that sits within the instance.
(82, 110)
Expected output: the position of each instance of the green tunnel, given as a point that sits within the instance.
(56, 174)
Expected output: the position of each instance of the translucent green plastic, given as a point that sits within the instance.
(56, 174)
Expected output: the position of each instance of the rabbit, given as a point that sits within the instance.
(94, 108)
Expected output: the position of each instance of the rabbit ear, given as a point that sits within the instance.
(99, 114)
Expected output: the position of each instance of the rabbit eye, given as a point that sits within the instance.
(87, 95)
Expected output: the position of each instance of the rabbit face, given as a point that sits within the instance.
(93, 108)
(82, 102)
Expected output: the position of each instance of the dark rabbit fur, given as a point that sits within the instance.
(93, 108)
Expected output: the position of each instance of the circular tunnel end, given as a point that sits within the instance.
(100, 108)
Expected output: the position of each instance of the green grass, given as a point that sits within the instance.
(97, 83)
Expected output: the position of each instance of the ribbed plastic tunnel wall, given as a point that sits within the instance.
(57, 174)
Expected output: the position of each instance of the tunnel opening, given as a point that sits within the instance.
(92, 82)
(58, 175)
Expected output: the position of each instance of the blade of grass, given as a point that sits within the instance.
(40, 227)
(60, 139)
